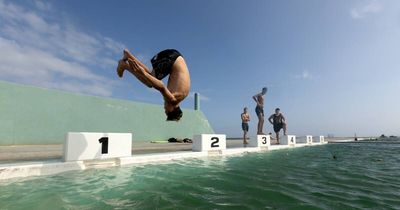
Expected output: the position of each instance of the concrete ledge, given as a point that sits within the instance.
(235, 151)
(303, 144)
(276, 147)
(19, 170)
(151, 158)
(8, 171)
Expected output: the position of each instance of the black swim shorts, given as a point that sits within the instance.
(162, 62)
(245, 126)
(259, 110)
(278, 127)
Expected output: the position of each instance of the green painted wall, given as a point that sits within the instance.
(31, 115)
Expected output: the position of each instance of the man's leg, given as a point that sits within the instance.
(262, 124)
(150, 81)
(260, 118)
(123, 65)
(144, 75)
(128, 55)
(277, 137)
(284, 129)
(244, 137)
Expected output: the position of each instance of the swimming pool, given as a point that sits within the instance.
(364, 175)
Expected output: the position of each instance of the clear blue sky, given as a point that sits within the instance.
(331, 66)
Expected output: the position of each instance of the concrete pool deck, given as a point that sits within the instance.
(48, 152)
(18, 153)
(175, 151)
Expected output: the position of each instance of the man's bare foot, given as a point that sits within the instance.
(121, 68)
(260, 133)
(127, 55)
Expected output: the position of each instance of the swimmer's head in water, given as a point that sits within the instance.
(174, 115)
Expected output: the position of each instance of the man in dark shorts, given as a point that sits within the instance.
(259, 99)
(168, 62)
(278, 121)
(245, 124)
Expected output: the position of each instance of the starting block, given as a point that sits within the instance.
(91, 146)
(260, 141)
(309, 139)
(289, 140)
(322, 139)
(209, 142)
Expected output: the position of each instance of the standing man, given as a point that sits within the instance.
(259, 99)
(279, 122)
(245, 124)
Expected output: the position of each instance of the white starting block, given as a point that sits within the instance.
(289, 140)
(322, 139)
(309, 139)
(90, 146)
(209, 142)
(260, 141)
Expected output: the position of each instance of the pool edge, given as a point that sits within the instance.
(41, 168)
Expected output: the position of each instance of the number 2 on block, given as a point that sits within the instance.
(215, 141)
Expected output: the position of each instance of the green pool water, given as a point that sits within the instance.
(363, 176)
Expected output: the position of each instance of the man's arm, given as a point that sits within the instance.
(283, 119)
(270, 119)
(168, 96)
(242, 116)
(255, 98)
(179, 96)
(144, 76)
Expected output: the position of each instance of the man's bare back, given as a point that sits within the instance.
(179, 80)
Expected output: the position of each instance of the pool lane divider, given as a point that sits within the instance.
(84, 150)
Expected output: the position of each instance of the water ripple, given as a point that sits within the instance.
(363, 176)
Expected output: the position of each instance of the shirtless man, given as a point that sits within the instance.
(168, 62)
(245, 124)
(259, 99)
(279, 122)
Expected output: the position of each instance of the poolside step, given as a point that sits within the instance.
(101, 163)
(214, 152)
